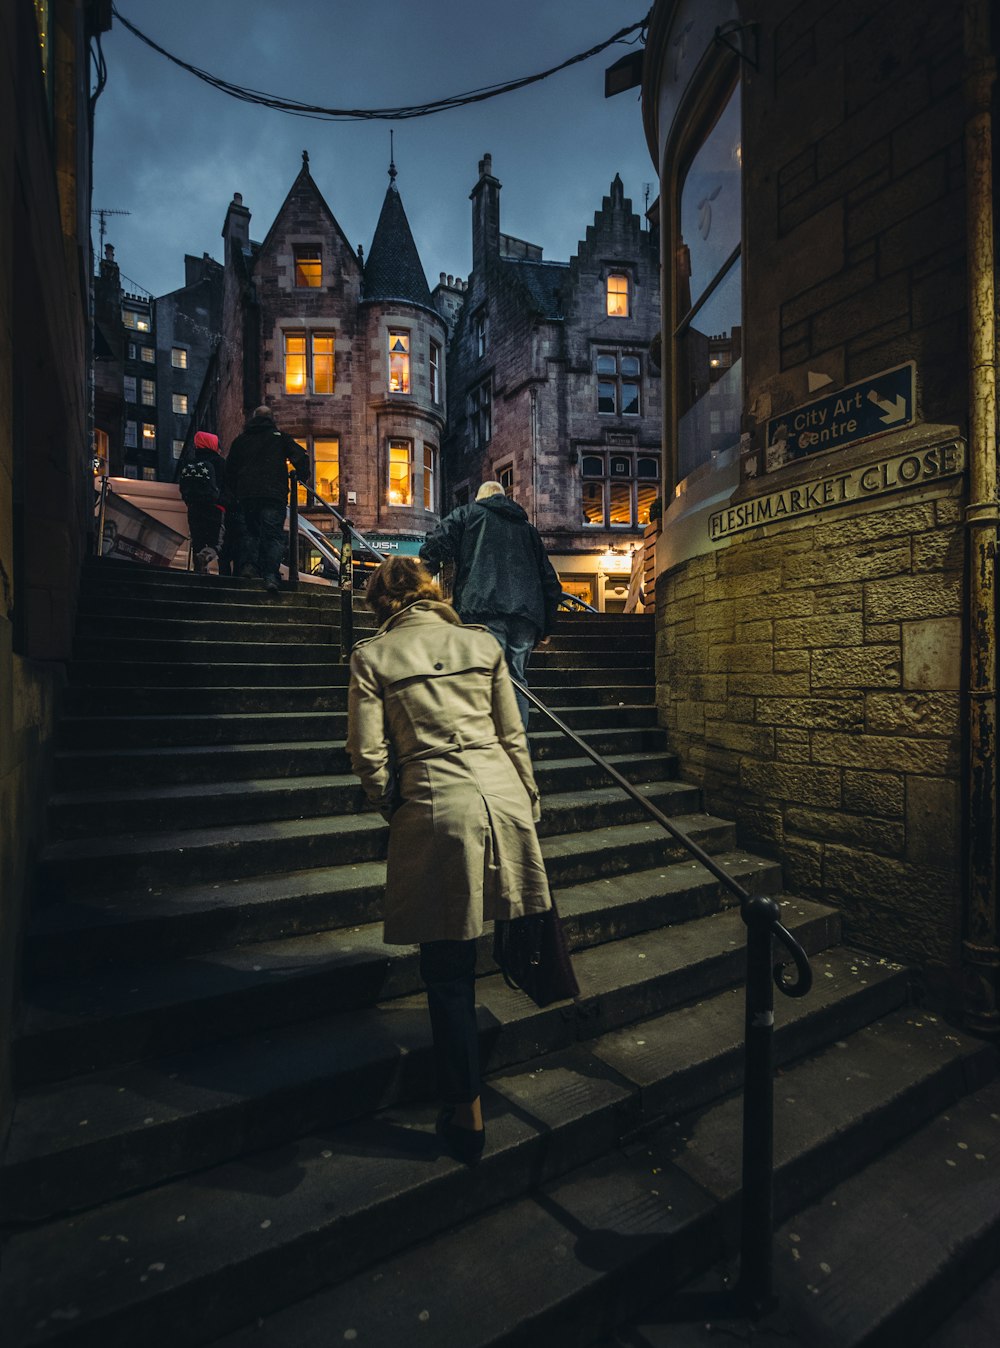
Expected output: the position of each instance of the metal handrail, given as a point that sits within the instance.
(760, 914)
(345, 523)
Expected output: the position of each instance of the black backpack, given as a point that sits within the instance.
(197, 482)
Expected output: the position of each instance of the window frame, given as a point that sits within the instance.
(148, 387)
(430, 477)
(626, 290)
(609, 479)
(619, 381)
(434, 373)
(400, 442)
(179, 404)
(179, 357)
(303, 265)
(148, 354)
(480, 413)
(506, 476)
(400, 359)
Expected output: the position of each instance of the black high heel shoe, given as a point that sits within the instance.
(465, 1144)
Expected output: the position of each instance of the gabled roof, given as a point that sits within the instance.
(393, 270)
(302, 187)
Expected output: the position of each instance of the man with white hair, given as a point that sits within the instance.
(504, 580)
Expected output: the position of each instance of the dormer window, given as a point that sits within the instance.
(308, 266)
(617, 295)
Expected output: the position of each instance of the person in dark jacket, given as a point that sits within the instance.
(257, 475)
(503, 578)
(200, 480)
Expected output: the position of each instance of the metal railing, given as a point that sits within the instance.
(761, 916)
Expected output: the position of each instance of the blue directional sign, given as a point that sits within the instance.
(874, 406)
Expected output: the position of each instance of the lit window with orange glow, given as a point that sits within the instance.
(617, 295)
(430, 473)
(295, 362)
(322, 362)
(326, 469)
(399, 361)
(148, 432)
(401, 472)
(308, 267)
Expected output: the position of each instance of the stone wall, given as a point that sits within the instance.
(809, 676)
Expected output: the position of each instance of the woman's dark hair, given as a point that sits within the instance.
(397, 582)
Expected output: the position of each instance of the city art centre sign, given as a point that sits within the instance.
(915, 469)
(881, 403)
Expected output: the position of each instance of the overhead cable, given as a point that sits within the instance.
(297, 108)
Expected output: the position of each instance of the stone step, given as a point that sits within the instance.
(584, 1233)
(261, 1089)
(611, 1234)
(230, 727)
(90, 813)
(211, 628)
(76, 770)
(154, 861)
(73, 937)
(109, 605)
(894, 1249)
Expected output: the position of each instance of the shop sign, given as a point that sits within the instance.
(881, 403)
(915, 469)
(394, 546)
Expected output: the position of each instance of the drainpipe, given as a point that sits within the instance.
(981, 944)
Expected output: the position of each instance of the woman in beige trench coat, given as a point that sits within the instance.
(436, 737)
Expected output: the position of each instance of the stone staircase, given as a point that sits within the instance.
(225, 1126)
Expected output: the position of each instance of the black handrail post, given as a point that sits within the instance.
(755, 1288)
(346, 591)
(293, 530)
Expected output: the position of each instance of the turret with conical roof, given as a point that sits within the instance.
(393, 270)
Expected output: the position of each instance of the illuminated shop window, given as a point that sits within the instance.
(401, 472)
(399, 361)
(308, 266)
(617, 295)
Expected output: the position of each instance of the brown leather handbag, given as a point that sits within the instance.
(533, 956)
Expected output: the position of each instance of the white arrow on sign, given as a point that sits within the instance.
(894, 411)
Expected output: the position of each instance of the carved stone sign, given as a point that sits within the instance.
(838, 489)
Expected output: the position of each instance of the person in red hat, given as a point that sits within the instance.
(200, 480)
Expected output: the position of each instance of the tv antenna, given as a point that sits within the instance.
(102, 213)
(647, 188)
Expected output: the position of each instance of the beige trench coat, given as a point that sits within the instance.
(435, 735)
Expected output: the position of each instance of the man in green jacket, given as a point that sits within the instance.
(257, 475)
(503, 577)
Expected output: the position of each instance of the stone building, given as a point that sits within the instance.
(126, 432)
(553, 389)
(826, 595)
(187, 330)
(350, 354)
(45, 445)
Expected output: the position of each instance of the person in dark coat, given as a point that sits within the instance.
(257, 475)
(504, 580)
(200, 480)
